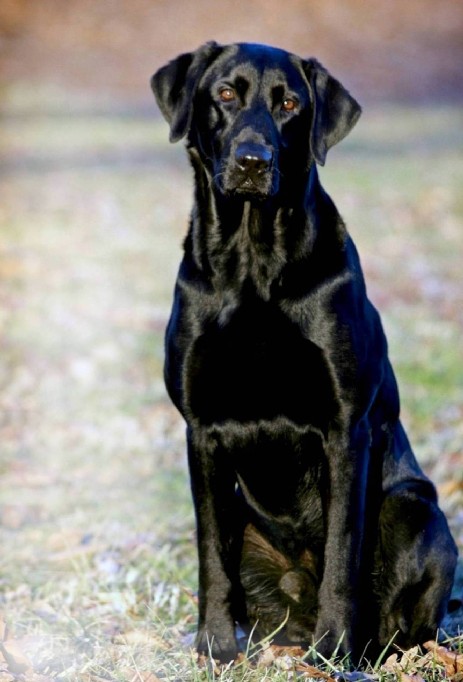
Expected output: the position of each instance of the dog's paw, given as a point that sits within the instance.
(330, 641)
(220, 645)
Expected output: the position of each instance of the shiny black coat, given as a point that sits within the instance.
(311, 508)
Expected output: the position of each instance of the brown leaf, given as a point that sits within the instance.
(405, 667)
(391, 663)
(206, 662)
(286, 657)
(313, 672)
(452, 661)
(293, 651)
(272, 652)
(142, 638)
(16, 661)
(140, 676)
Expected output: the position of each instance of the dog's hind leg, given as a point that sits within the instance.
(415, 564)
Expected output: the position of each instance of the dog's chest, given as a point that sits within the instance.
(258, 366)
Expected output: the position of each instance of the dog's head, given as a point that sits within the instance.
(257, 116)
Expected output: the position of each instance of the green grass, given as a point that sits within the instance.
(98, 561)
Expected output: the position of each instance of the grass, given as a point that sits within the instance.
(97, 564)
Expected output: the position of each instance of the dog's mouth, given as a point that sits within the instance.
(249, 187)
(250, 171)
(238, 184)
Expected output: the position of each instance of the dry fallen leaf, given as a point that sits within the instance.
(273, 652)
(16, 661)
(207, 662)
(11, 653)
(312, 672)
(285, 657)
(452, 661)
(142, 638)
(391, 663)
(406, 667)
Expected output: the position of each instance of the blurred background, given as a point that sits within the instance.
(97, 561)
(409, 51)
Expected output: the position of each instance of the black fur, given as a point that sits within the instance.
(310, 504)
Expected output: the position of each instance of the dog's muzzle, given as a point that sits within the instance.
(251, 170)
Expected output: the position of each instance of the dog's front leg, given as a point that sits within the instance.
(338, 616)
(213, 488)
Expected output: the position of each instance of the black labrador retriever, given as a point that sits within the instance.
(312, 512)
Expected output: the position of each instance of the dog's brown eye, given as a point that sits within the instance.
(227, 94)
(289, 104)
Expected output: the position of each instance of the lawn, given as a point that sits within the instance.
(97, 563)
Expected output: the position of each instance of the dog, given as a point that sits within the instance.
(313, 517)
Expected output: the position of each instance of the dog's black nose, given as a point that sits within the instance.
(253, 158)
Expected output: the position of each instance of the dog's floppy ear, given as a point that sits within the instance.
(174, 86)
(335, 111)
